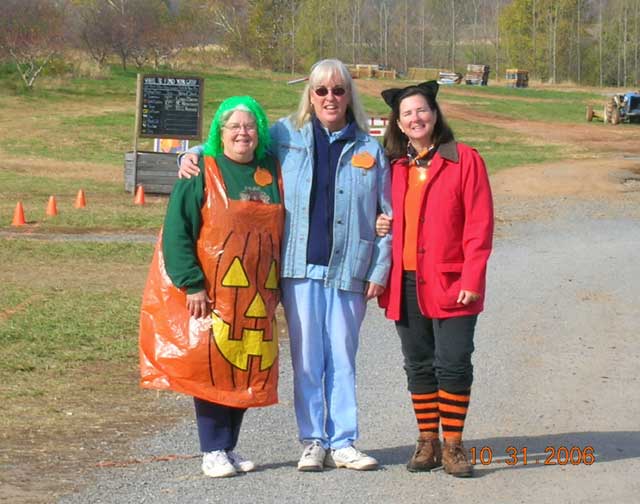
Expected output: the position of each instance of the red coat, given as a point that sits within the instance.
(454, 234)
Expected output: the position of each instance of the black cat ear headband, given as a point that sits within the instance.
(429, 88)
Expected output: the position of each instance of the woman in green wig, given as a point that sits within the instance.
(207, 325)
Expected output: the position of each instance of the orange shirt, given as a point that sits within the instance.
(418, 176)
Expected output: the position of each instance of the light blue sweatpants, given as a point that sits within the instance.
(323, 331)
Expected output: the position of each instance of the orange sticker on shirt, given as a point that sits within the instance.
(262, 177)
(363, 160)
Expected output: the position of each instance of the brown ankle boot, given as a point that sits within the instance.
(455, 460)
(428, 454)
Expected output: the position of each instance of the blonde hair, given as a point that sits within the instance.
(321, 72)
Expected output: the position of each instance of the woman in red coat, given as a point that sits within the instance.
(442, 234)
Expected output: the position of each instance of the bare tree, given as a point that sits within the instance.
(600, 42)
(423, 31)
(96, 21)
(636, 57)
(579, 40)
(497, 38)
(553, 16)
(31, 32)
(452, 7)
(534, 35)
(476, 8)
(355, 13)
(384, 19)
(405, 51)
(293, 12)
(624, 14)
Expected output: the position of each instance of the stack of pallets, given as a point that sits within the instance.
(517, 78)
(477, 75)
(449, 78)
(360, 71)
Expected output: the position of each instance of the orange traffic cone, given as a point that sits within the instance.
(18, 215)
(80, 200)
(52, 208)
(139, 199)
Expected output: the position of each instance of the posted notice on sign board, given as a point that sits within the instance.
(170, 107)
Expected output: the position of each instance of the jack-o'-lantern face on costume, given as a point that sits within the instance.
(239, 251)
(249, 329)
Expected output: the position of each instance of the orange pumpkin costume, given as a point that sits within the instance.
(231, 358)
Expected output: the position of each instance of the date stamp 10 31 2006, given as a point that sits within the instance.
(561, 455)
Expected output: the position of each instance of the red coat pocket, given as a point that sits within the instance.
(449, 285)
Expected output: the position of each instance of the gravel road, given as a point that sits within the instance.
(556, 367)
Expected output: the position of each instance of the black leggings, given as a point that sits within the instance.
(437, 352)
(218, 425)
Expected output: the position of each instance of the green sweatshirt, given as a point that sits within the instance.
(183, 219)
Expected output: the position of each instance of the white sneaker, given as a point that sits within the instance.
(351, 458)
(240, 463)
(216, 464)
(312, 458)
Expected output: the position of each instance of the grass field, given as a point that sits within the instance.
(530, 104)
(69, 310)
(50, 300)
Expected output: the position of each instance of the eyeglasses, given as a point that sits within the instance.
(324, 91)
(237, 127)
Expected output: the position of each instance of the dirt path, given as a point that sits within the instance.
(585, 178)
(594, 138)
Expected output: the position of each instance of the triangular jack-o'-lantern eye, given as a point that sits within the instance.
(257, 308)
(235, 275)
(272, 277)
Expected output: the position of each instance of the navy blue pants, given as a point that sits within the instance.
(437, 352)
(218, 425)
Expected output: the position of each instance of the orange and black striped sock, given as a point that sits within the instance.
(426, 409)
(453, 410)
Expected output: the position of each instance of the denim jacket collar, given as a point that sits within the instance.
(307, 133)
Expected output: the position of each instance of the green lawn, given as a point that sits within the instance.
(503, 149)
(65, 303)
(528, 104)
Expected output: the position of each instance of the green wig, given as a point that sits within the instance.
(213, 146)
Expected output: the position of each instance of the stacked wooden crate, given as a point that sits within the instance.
(361, 71)
(445, 77)
(477, 75)
(155, 171)
(423, 74)
(384, 74)
(517, 78)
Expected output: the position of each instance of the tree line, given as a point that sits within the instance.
(593, 42)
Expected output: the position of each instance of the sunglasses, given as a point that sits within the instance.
(324, 91)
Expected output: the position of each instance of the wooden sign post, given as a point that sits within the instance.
(166, 107)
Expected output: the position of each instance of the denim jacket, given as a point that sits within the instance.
(358, 255)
